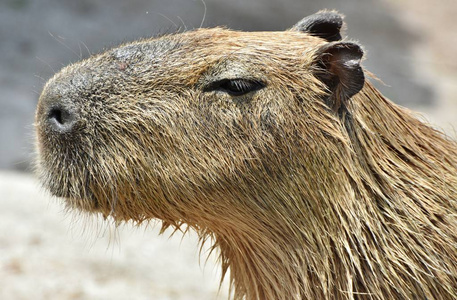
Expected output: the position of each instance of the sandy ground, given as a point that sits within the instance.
(48, 254)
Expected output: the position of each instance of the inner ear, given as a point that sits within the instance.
(323, 24)
(338, 66)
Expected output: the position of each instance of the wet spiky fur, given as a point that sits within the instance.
(302, 202)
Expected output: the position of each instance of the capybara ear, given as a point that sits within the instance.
(323, 24)
(339, 68)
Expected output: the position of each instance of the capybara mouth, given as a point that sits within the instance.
(82, 199)
(78, 192)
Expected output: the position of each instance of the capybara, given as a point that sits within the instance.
(273, 145)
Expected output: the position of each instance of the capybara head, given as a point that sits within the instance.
(143, 129)
(310, 182)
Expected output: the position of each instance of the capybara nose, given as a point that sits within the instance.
(58, 109)
(60, 118)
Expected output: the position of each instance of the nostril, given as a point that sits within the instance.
(61, 119)
(57, 115)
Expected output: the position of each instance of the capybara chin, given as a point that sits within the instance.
(274, 145)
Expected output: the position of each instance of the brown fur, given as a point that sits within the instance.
(301, 201)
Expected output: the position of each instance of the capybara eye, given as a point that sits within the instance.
(235, 87)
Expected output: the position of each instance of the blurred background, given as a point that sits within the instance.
(45, 253)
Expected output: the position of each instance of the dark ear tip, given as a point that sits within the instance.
(332, 17)
(324, 24)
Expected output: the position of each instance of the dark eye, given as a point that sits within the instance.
(235, 87)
